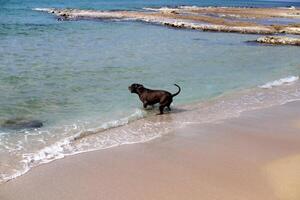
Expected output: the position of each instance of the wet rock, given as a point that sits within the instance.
(21, 124)
(185, 17)
(279, 40)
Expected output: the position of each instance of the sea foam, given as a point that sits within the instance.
(120, 132)
(282, 81)
(74, 144)
(162, 9)
(43, 9)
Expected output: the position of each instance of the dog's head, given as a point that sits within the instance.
(135, 88)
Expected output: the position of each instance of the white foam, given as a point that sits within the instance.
(189, 7)
(282, 81)
(145, 129)
(71, 146)
(43, 9)
(289, 8)
(58, 149)
(2, 133)
(162, 9)
(138, 114)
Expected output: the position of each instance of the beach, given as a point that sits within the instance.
(253, 156)
(71, 128)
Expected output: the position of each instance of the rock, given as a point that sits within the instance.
(187, 18)
(279, 40)
(21, 124)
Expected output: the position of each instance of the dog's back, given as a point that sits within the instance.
(151, 97)
(156, 96)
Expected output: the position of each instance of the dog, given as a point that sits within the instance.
(151, 97)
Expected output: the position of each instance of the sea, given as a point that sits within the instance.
(73, 76)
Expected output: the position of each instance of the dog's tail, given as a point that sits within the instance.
(179, 89)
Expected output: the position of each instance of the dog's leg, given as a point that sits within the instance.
(145, 104)
(168, 106)
(161, 109)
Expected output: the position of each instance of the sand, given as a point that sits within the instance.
(255, 156)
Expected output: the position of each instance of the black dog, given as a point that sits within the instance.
(151, 97)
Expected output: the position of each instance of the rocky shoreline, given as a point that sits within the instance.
(279, 40)
(217, 19)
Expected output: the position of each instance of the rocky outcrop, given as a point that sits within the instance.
(221, 28)
(205, 19)
(279, 40)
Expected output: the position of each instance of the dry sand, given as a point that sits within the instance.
(255, 156)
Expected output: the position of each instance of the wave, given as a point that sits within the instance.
(279, 82)
(139, 127)
(66, 146)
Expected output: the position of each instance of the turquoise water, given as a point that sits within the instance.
(73, 75)
(64, 74)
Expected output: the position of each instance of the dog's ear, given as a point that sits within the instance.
(140, 88)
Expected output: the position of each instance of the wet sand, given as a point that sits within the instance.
(255, 156)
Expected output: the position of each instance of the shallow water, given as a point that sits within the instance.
(73, 75)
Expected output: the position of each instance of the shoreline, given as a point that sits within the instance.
(234, 158)
(233, 133)
(225, 107)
